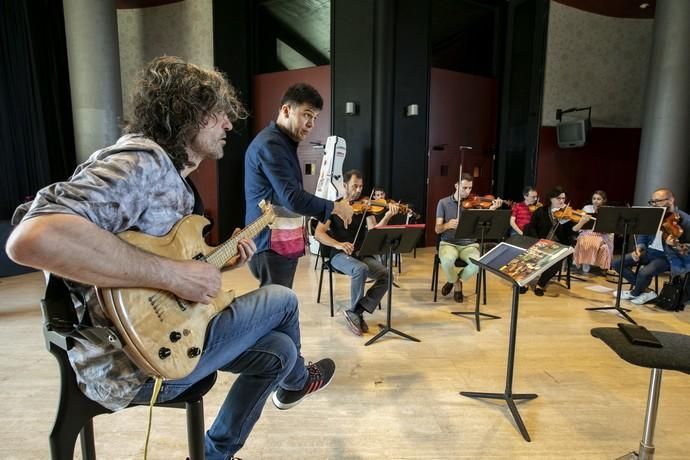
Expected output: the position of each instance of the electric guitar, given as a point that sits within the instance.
(163, 334)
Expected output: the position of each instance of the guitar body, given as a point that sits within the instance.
(162, 334)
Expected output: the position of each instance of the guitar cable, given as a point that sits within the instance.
(156, 390)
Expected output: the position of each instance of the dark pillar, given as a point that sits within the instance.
(233, 40)
(411, 79)
(384, 71)
(352, 32)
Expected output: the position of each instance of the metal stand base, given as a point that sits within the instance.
(619, 288)
(476, 313)
(510, 400)
(507, 394)
(385, 329)
(621, 311)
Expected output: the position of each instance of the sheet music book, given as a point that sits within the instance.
(525, 265)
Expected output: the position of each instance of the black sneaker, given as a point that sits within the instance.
(523, 289)
(445, 290)
(363, 324)
(539, 291)
(320, 375)
(353, 321)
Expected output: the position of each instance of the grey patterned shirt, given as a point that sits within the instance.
(131, 185)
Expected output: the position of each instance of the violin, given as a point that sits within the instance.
(535, 206)
(671, 229)
(573, 215)
(481, 202)
(376, 206)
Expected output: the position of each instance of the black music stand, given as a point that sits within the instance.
(492, 262)
(483, 225)
(639, 220)
(389, 240)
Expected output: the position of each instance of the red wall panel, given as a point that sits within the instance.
(608, 162)
(269, 89)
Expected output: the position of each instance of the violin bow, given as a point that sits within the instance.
(364, 217)
(462, 160)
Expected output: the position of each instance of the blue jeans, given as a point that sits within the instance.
(258, 337)
(359, 270)
(651, 262)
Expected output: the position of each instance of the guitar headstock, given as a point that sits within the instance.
(267, 210)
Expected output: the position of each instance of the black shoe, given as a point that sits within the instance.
(538, 291)
(363, 324)
(523, 289)
(320, 375)
(353, 321)
(445, 290)
(458, 296)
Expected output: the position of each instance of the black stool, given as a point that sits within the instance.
(75, 411)
(326, 265)
(672, 356)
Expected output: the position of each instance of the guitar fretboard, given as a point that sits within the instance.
(227, 250)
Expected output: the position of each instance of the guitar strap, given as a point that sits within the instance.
(61, 317)
(198, 202)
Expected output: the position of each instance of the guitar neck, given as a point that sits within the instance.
(227, 250)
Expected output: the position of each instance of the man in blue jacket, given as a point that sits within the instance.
(272, 173)
(656, 254)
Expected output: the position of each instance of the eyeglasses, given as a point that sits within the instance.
(653, 202)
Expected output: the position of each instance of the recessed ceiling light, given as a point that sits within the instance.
(644, 6)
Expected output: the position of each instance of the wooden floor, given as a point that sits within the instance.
(395, 399)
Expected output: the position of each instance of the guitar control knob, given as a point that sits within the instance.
(164, 352)
(193, 352)
(175, 336)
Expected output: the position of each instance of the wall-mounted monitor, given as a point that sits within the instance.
(572, 133)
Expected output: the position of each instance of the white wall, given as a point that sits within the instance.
(596, 60)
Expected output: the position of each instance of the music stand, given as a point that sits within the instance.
(388, 240)
(639, 220)
(482, 224)
(492, 262)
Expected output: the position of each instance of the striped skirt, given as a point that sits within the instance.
(594, 249)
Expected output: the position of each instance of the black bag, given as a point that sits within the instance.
(674, 294)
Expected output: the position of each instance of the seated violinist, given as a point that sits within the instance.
(521, 213)
(656, 254)
(593, 248)
(403, 217)
(345, 243)
(448, 212)
(547, 223)
(379, 194)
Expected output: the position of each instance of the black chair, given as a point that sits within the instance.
(672, 356)
(434, 273)
(568, 261)
(75, 411)
(324, 257)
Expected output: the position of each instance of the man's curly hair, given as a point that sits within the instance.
(172, 100)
